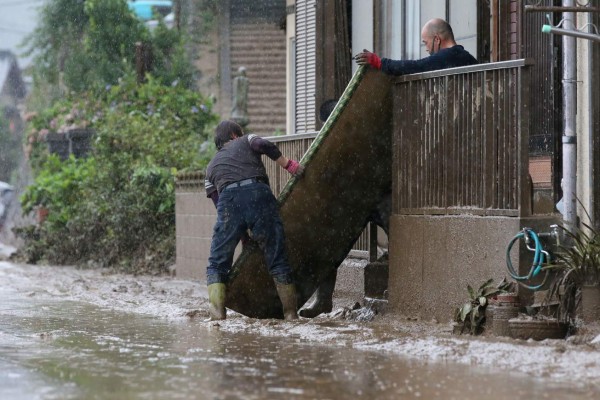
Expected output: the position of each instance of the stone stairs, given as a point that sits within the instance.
(260, 47)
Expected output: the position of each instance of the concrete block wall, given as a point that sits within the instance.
(434, 258)
(195, 216)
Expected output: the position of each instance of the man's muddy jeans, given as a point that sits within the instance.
(251, 207)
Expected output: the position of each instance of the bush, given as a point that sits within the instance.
(117, 207)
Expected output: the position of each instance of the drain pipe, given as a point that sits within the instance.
(569, 139)
(590, 93)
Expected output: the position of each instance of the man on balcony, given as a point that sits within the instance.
(439, 42)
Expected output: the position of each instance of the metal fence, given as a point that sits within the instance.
(461, 141)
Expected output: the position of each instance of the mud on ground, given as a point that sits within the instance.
(574, 359)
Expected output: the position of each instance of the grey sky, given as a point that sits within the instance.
(17, 19)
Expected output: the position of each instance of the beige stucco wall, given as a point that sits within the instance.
(434, 258)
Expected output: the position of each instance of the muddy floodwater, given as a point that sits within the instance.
(58, 348)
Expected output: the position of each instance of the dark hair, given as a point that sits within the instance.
(224, 130)
(326, 109)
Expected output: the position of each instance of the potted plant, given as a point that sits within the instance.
(472, 315)
(577, 282)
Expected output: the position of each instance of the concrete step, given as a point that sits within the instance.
(258, 56)
(266, 81)
(275, 77)
(260, 67)
(265, 96)
(272, 72)
(239, 27)
(267, 120)
(259, 52)
(259, 39)
(261, 33)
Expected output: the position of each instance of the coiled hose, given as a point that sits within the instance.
(540, 256)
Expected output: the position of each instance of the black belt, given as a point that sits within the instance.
(241, 183)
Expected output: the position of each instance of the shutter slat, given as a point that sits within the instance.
(305, 65)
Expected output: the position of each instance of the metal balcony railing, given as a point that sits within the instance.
(461, 141)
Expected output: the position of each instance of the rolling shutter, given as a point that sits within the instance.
(305, 65)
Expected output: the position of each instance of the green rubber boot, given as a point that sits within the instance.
(216, 299)
(287, 295)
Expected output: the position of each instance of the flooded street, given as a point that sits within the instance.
(54, 346)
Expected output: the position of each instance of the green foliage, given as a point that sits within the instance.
(581, 257)
(206, 19)
(109, 44)
(170, 61)
(84, 45)
(118, 206)
(578, 265)
(58, 187)
(472, 313)
(57, 36)
(153, 124)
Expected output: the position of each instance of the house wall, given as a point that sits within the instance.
(594, 92)
(462, 16)
(546, 119)
(434, 258)
(458, 200)
(362, 27)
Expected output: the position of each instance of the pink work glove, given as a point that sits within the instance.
(366, 57)
(294, 168)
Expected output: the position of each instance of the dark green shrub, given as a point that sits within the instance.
(117, 207)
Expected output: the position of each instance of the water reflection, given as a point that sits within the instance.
(71, 350)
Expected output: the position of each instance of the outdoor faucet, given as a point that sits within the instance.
(557, 232)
